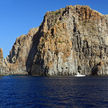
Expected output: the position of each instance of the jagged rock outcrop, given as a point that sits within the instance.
(16, 61)
(4, 70)
(70, 40)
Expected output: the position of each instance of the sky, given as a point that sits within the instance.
(17, 17)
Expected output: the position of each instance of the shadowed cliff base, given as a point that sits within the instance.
(70, 40)
(32, 55)
(96, 70)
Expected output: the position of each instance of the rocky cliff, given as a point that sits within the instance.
(4, 70)
(70, 40)
(18, 56)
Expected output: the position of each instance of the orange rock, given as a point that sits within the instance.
(1, 53)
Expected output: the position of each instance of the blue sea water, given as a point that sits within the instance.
(53, 92)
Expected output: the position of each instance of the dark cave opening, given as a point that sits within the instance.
(96, 69)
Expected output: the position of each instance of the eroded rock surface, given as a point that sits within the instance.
(73, 39)
(70, 40)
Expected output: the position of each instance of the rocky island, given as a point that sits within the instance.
(70, 40)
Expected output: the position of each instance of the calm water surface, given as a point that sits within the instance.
(56, 92)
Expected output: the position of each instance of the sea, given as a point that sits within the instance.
(53, 92)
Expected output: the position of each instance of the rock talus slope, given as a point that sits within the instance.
(70, 40)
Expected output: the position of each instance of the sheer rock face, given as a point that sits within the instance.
(70, 40)
(73, 39)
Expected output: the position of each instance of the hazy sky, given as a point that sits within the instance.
(18, 16)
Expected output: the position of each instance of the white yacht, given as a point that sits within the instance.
(79, 75)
